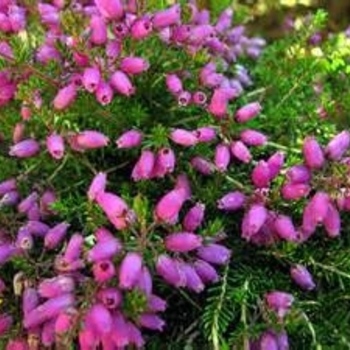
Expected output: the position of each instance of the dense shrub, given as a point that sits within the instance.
(150, 152)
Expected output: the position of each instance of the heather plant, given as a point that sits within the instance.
(165, 175)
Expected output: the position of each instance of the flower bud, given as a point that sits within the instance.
(275, 163)
(168, 208)
(261, 175)
(218, 104)
(55, 235)
(294, 191)
(66, 321)
(98, 30)
(168, 17)
(202, 165)
(130, 270)
(253, 138)
(224, 21)
(65, 97)
(182, 242)
(55, 146)
(174, 84)
(184, 137)
(74, 248)
(122, 84)
(205, 271)
(338, 146)
(25, 149)
(248, 112)
(253, 220)
(91, 79)
(134, 65)
(268, 341)
(110, 9)
(214, 253)
(101, 319)
(241, 152)
(165, 162)
(313, 153)
(332, 222)
(25, 205)
(279, 302)
(129, 139)
(151, 321)
(302, 277)
(319, 206)
(285, 228)
(232, 201)
(222, 157)
(91, 139)
(194, 217)
(193, 281)
(104, 93)
(97, 186)
(170, 271)
(24, 240)
(156, 304)
(5, 324)
(7, 186)
(144, 166)
(30, 300)
(56, 286)
(298, 174)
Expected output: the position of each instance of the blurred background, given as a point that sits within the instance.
(269, 15)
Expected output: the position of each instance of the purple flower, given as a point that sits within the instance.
(122, 84)
(205, 271)
(193, 281)
(279, 302)
(104, 93)
(103, 270)
(182, 242)
(332, 222)
(302, 277)
(202, 165)
(151, 321)
(338, 146)
(214, 253)
(241, 152)
(165, 162)
(130, 270)
(170, 271)
(222, 157)
(141, 28)
(298, 174)
(110, 9)
(97, 186)
(232, 201)
(253, 138)
(55, 235)
(25, 149)
(293, 191)
(248, 112)
(253, 220)
(55, 146)
(261, 175)
(129, 139)
(91, 79)
(285, 228)
(194, 217)
(91, 139)
(100, 318)
(134, 65)
(184, 137)
(168, 17)
(143, 169)
(98, 30)
(110, 297)
(313, 153)
(56, 286)
(65, 97)
(174, 84)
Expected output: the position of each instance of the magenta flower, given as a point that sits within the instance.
(98, 30)
(130, 270)
(56, 286)
(106, 249)
(338, 146)
(100, 318)
(30, 300)
(199, 98)
(151, 321)
(27, 203)
(110, 9)
(302, 277)
(174, 84)
(182, 242)
(169, 269)
(156, 304)
(232, 201)
(122, 84)
(66, 321)
(285, 228)
(205, 271)
(202, 165)
(184, 98)
(279, 302)
(5, 323)
(167, 17)
(275, 163)
(261, 175)
(193, 281)
(241, 152)
(141, 28)
(91, 79)
(134, 65)
(169, 206)
(114, 207)
(143, 169)
(194, 217)
(104, 93)
(74, 248)
(165, 162)
(224, 21)
(129, 139)
(48, 310)
(253, 138)
(332, 222)
(293, 191)
(97, 186)
(184, 137)
(298, 174)
(65, 97)
(248, 112)
(222, 157)
(219, 103)
(7, 186)
(18, 132)
(268, 341)
(103, 271)
(253, 220)
(25, 149)
(91, 139)
(55, 146)
(313, 153)
(55, 235)
(214, 253)
(110, 297)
